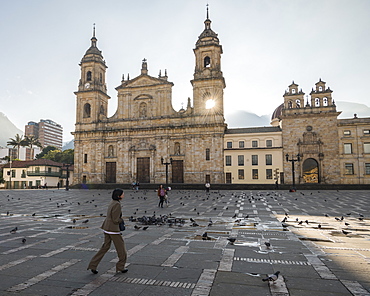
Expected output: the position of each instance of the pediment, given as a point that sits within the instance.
(143, 81)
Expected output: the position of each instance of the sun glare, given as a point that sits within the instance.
(210, 104)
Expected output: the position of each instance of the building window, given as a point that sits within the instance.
(37, 169)
(347, 133)
(241, 144)
(23, 174)
(208, 152)
(366, 147)
(87, 110)
(229, 145)
(348, 168)
(142, 110)
(254, 159)
(13, 173)
(347, 148)
(367, 168)
(241, 174)
(85, 158)
(84, 179)
(269, 174)
(228, 160)
(240, 160)
(317, 102)
(88, 76)
(254, 173)
(207, 61)
(254, 144)
(366, 132)
(268, 159)
(268, 143)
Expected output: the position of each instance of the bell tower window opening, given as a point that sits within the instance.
(207, 62)
(317, 102)
(88, 76)
(325, 101)
(101, 78)
(320, 88)
(293, 91)
(87, 110)
(298, 104)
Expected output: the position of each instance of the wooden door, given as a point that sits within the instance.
(228, 178)
(177, 171)
(110, 171)
(143, 169)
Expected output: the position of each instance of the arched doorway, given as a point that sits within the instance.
(310, 171)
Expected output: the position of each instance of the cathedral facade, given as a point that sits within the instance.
(146, 140)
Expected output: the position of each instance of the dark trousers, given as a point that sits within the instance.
(119, 244)
(161, 200)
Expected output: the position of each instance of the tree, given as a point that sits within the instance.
(66, 156)
(17, 142)
(45, 151)
(32, 142)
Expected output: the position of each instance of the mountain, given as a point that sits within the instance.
(242, 118)
(7, 130)
(68, 145)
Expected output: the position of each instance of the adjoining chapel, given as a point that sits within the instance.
(147, 141)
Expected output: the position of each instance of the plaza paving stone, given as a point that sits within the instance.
(172, 259)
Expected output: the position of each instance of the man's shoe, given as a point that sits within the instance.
(94, 271)
(124, 271)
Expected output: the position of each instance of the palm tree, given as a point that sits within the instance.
(32, 142)
(17, 142)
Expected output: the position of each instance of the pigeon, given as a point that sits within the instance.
(267, 244)
(137, 227)
(145, 227)
(34, 214)
(300, 222)
(231, 240)
(192, 220)
(74, 221)
(319, 226)
(346, 232)
(24, 240)
(87, 220)
(272, 277)
(337, 219)
(347, 224)
(205, 236)
(14, 230)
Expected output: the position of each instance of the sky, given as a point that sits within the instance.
(267, 44)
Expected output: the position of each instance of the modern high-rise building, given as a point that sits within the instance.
(48, 132)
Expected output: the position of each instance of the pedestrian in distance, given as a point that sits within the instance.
(112, 232)
(161, 192)
(208, 186)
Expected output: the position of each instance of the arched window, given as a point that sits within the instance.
(317, 102)
(142, 110)
(325, 101)
(87, 110)
(320, 88)
(101, 77)
(110, 151)
(290, 105)
(293, 91)
(298, 104)
(208, 154)
(207, 61)
(88, 76)
(177, 148)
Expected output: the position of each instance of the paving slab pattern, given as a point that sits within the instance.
(318, 240)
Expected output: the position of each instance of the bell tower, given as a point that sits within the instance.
(208, 83)
(92, 98)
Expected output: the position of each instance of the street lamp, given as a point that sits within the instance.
(166, 164)
(293, 160)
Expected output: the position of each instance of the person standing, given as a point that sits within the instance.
(207, 185)
(112, 232)
(161, 194)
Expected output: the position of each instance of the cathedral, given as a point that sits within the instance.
(146, 140)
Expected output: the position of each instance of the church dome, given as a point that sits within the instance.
(277, 113)
(275, 118)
